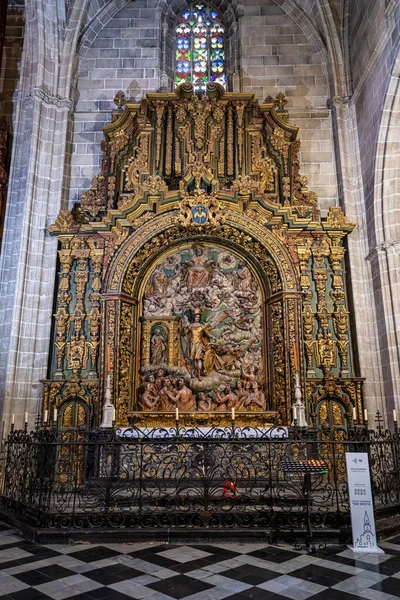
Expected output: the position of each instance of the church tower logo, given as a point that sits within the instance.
(366, 539)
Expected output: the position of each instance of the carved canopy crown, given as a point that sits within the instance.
(180, 141)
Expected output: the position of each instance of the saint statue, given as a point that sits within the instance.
(200, 269)
(157, 284)
(157, 347)
(198, 334)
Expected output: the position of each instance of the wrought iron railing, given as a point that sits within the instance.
(194, 478)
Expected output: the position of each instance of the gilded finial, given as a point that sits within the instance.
(280, 101)
(119, 99)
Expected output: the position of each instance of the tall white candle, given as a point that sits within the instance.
(46, 416)
(233, 413)
(26, 417)
(176, 414)
(294, 412)
(55, 414)
(13, 420)
(354, 413)
(394, 416)
(113, 413)
(365, 415)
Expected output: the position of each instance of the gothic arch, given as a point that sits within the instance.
(387, 167)
(170, 11)
(96, 22)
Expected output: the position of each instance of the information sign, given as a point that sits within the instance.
(361, 506)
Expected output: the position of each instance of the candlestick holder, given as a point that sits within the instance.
(108, 410)
(38, 421)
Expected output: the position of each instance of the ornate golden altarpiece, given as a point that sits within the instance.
(219, 172)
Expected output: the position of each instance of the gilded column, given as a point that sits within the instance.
(303, 249)
(340, 315)
(62, 314)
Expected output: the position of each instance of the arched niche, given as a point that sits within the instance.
(133, 266)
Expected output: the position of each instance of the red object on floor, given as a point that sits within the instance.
(229, 489)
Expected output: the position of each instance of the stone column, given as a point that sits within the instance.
(28, 266)
(360, 269)
(28, 260)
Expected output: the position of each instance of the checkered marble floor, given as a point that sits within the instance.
(193, 572)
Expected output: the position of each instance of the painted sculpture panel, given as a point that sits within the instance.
(218, 301)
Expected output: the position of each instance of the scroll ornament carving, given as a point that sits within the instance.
(301, 195)
(199, 108)
(139, 164)
(199, 171)
(265, 169)
(65, 221)
(93, 202)
(53, 101)
(280, 101)
(337, 220)
(244, 184)
(154, 185)
(280, 143)
(117, 143)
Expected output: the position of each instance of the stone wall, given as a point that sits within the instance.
(125, 56)
(276, 55)
(374, 45)
(374, 41)
(11, 60)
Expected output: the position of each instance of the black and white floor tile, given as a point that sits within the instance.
(193, 572)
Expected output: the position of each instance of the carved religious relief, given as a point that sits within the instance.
(216, 301)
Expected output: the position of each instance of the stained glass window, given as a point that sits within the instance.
(200, 47)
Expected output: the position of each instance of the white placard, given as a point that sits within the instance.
(361, 506)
